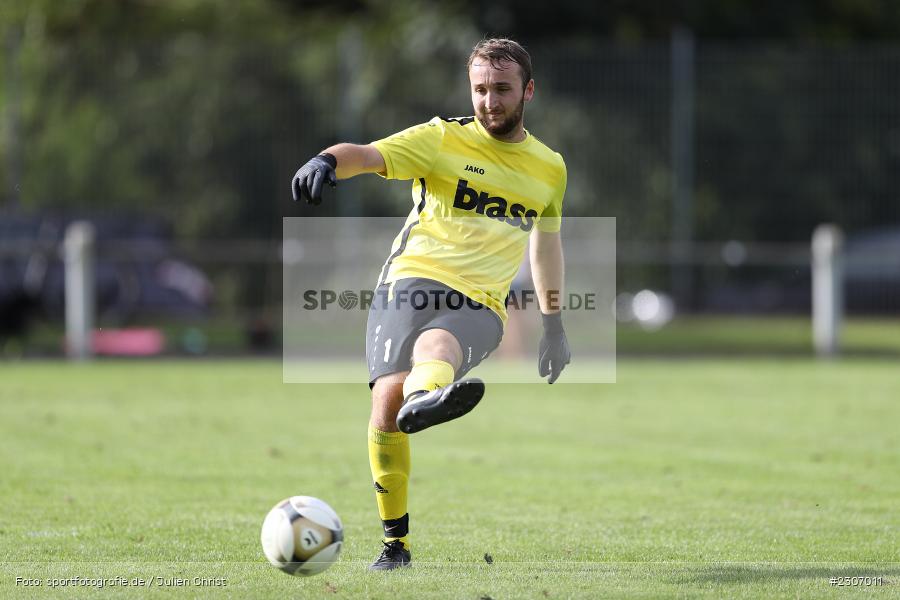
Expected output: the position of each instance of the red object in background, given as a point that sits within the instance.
(143, 341)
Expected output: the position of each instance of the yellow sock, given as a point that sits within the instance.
(389, 460)
(428, 375)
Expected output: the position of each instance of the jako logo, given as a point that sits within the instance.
(493, 207)
(472, 169)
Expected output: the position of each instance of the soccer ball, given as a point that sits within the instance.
(302, 536)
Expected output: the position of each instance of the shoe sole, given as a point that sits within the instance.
(458, 399)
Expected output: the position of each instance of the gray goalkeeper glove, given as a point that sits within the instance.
(308, 181)
(553, 351)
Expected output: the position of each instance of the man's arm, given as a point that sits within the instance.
(354, 159)
(547, 270)
(340, 161)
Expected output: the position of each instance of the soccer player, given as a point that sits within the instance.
(482, 185)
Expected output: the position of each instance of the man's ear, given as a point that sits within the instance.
(529, 91)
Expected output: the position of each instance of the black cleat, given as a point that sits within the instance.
(393, 556)
(442, 405)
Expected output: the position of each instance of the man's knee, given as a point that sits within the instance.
(438, 344)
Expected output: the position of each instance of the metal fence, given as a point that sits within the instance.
(717, 159)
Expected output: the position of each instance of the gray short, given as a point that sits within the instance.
(420, 304)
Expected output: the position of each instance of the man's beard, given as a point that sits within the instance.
(507, 125)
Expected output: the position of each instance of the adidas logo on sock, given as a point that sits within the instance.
(380, 489)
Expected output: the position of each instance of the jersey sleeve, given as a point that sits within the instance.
(551, 218)
(411, 153)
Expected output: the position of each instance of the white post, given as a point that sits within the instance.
(827, 288)
(78, 249)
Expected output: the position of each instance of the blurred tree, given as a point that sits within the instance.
(130, 104)
(202, 110)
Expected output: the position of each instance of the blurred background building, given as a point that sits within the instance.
(718, 133)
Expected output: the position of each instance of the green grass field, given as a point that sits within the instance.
(738, 478)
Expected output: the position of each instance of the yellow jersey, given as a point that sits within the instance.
(476, 200)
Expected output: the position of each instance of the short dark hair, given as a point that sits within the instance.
(498, 49)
